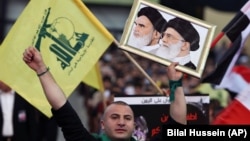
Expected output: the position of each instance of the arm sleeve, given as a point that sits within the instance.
(71, 125)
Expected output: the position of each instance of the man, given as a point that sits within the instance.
(179, 38)
(147, 30)
(17, 117)
(47, 128)
(118, 118)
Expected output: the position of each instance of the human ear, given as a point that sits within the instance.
(102, 125)
(185, 46)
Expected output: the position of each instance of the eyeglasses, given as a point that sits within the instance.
(170, 37)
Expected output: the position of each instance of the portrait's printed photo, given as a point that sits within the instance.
(164, 35)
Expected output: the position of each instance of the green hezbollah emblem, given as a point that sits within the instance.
(62, 32)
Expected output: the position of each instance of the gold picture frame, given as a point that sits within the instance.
(205, 32)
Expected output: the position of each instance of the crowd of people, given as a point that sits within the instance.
(109, 119)
(117, 122)
(122, 77)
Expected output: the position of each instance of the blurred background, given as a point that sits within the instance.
(120, 76)
(113, 14)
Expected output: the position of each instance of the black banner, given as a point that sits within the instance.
(151, 112)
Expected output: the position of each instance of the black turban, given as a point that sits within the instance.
(154, 16)
(187, 31)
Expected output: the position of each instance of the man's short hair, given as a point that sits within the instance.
(117, 103)
(120, 103)
(186, 30)
(154, 16)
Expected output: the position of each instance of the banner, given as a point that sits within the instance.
(151, 112)
(94, 78)
(68, 35)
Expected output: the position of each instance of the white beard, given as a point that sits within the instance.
(169, 51)
(140, 42)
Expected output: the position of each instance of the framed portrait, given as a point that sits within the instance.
(164, 35)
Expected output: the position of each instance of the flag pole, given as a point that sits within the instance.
(139, 67)
(238, 18)
(218, 37)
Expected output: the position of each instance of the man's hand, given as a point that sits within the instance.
(172, 73)
(33, 59)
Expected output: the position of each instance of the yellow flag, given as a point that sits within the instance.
(70, 38)
(94, 78)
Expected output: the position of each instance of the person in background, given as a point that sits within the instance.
(18, 119)
(118, 121)
(47, 128)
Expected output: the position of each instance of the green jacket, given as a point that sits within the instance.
(104, 137)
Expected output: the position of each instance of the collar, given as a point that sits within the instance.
(12, 92)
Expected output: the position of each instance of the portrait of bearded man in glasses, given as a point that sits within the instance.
(177, 41)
